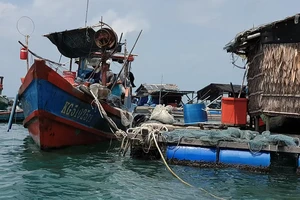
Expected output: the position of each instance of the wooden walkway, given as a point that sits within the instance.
(224, 144)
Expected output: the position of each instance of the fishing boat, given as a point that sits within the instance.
(18, 116)
(3, 99)
(61, 109)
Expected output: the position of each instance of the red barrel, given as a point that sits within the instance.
(234, 111)
(23, 53)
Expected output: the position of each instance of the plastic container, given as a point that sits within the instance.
(244, 158)
(23, 53)
(194, 113)
(260, 122)
(173, 104)
(199, 154)
(234, 111)
(69, 76)
(69, 73)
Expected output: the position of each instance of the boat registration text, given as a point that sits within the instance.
(74, 111)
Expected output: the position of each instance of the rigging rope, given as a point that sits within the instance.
(35, 55)
(117, 132)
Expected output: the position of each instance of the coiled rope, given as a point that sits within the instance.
(153, 133)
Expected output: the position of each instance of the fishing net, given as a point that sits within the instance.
(255, 141)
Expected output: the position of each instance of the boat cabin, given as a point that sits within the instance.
(153, 94)
(212, 93)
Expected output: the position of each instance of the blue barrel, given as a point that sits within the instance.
(214, 112)
(199, 154)
(194, 113)
(244, 158)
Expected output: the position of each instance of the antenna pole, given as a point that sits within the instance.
(86, 13)
(160, 89)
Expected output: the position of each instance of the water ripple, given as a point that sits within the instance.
(92, 172)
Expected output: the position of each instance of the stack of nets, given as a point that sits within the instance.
(255, 140)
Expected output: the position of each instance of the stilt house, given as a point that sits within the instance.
(273, 58)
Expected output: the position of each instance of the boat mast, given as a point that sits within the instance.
(104, 66)
(81, 61)
(126, 66)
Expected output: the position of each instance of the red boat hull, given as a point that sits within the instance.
(59, 115)
(49, 131)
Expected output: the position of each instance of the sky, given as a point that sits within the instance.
(182, 40)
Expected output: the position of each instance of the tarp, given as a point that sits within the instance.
(74, 43)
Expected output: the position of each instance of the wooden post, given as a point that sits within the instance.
(104, 69)
(79, 65)
(126, 72)
(251, 122)
(267, 123)
(192, 98)
(256, 124)
(70, 68)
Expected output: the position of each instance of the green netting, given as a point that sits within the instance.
(255, 140)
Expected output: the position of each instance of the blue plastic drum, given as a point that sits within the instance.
(198, 154)
(244, 158)
(194, 113)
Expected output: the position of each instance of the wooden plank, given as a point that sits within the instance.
(269, 148)
(226, 145)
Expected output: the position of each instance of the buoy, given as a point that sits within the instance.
(23, 53)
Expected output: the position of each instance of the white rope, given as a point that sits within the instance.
(118, 132)
(153, 134)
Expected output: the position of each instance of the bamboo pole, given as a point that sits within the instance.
(126, 59)
(26, 43)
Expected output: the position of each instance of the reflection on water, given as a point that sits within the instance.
(98, 172)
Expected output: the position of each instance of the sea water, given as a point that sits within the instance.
(98, 172)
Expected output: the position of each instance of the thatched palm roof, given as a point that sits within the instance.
(281, 31)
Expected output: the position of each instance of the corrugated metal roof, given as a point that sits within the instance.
(215, 89)
(150, 88)
(157, 87)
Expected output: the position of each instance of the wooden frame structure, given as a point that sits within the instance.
(273, 58)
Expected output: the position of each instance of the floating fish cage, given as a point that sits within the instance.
(231, 147)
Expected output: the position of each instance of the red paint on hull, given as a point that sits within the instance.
(50, 131)
(39, 70)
